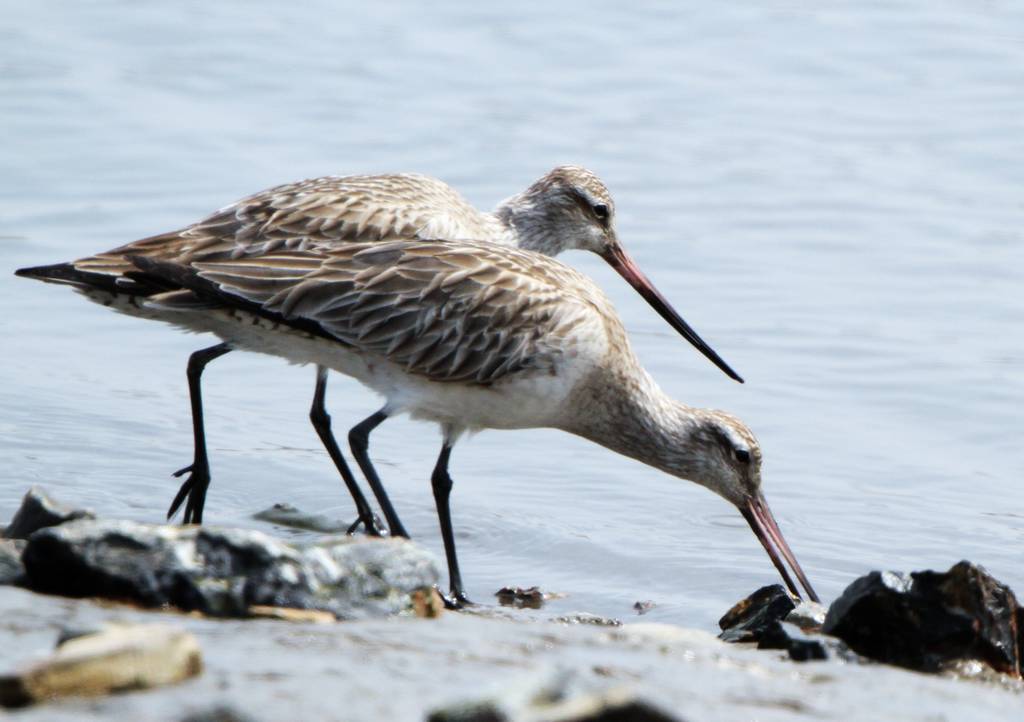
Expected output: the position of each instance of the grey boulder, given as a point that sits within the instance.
(38, 511)
(223, 572)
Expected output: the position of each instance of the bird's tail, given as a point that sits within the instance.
(67, 274)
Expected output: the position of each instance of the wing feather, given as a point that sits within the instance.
(312, 214)
(428, 306)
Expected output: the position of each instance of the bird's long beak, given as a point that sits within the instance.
(760, 518)
(627, 268)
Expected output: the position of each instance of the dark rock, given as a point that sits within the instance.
(750, 618)
(800, 645)
(11, 569)
(287, 515)
(39, 511)
(217, 713)
(1020, 637)
(222, 572)
(563, 697)
(644, 606)
(530, 597)
(927, 620)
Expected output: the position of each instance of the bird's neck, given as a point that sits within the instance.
(627, 412)
(526, 224)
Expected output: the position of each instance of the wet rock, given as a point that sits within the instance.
(38, 511)
(287, 515)
(117, 658)
(224, 572)
(562, 697)
(585, 618)
(809, 616)
(928, 620)
(644, 606)
(750, 618)
(530, 597)
(800, 645)
(11, 569)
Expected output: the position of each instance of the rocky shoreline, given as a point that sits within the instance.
(237, 624)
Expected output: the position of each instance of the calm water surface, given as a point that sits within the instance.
(832, 197)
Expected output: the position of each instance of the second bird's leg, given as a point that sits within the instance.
(442, 485)
(195, 486)
(359, 441)
(322, 423)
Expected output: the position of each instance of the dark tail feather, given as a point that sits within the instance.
(67, 274)
(58, 272)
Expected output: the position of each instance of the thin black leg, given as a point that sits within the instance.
(359, 441)
(195, 486)
(322, 423)
(442, 484)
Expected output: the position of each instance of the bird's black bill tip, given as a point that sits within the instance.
(627, 268)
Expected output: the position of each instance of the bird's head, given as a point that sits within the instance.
(570, 208)
(722, 454)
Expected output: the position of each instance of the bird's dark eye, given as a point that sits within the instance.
(601, 211)
(742, 456)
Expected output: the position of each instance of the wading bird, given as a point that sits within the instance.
(568, 208)
(473, 336)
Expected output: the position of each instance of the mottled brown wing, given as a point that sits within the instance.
(311, 214)
(447, 311)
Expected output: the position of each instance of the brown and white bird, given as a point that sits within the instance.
(472, 336)
(568, 208)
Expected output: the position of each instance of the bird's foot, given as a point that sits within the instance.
(194, 490)
(456, 600)
(372, 524)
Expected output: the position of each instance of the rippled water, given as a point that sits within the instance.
(833, 197)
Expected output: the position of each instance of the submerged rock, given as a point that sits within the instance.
(11, 569)
(287, 515)
(928, 620)
(223, 572)
(643, 606)
(562, 696)
(750, 618)
(530, 597)
(113, 659)
(38, 511)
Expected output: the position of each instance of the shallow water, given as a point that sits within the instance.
(831, 197)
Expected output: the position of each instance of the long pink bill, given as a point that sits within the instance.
(627, 268)
(764, 526)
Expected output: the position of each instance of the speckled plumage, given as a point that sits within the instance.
(332, 210)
